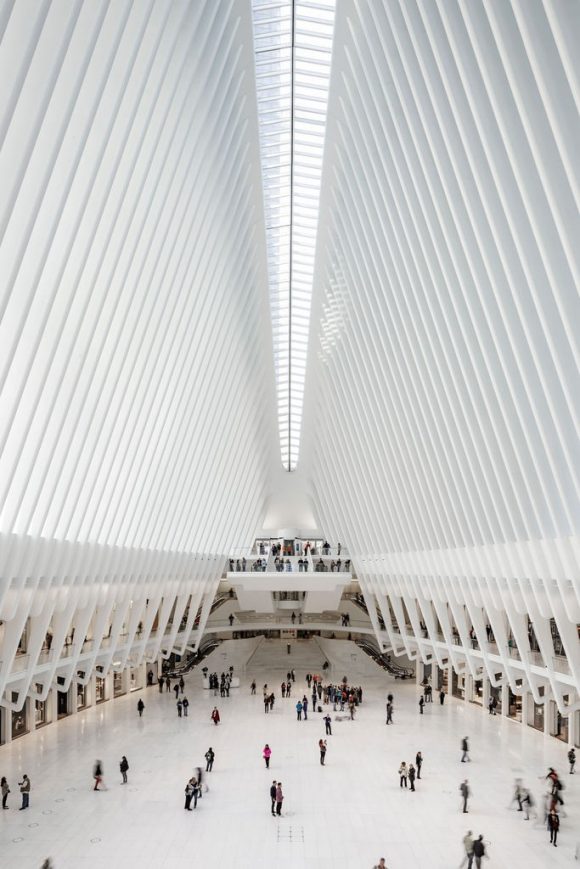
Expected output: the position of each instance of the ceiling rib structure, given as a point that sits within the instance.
(138, 405)
(390, 189)
(293, 45)
(443, 397)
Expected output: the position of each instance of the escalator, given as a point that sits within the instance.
(384, 661)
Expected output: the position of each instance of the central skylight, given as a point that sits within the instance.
(293, 46)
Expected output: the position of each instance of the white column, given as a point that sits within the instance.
(486, 691)
(525, 706)
(505, 697)
(468, 692)
(419, 671)
(547, 711)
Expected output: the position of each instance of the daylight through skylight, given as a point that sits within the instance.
(293, 46)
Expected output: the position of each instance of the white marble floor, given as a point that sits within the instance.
(346, 814)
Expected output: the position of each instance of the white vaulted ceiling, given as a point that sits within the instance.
(146, 343)
(443, 409)
(135, 362)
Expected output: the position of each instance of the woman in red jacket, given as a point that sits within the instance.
(215, 716)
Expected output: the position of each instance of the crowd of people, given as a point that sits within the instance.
(338, 698)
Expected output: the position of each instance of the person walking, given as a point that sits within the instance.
(572, 760)
(266, 704)
(253, 687)
(421, 703)
(273, 798)
(209, 757)
(179, 705)
(176, 689)
(124, 767)
(442, 697)
(328, 724)
(160, 684)
(215, 716)
(299, 711)
(140, 707)
(465, 793)
(181, 684)
(465, 749)
(322, 747)
(478, 851)
(418, 763)
(185, 704)
(196, 792)
(553, 826)
(267, 754)
(189, 788)
(403, 774)
(412, 776)
(468, 846)
(389, 712)
(5, 789)
(279, 798)
(167, 685)
(381, 864)
(98, 774)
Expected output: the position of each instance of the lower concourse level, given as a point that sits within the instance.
(349, 812)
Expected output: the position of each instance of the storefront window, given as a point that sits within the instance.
(81, 695)
(19, 722)
(477, 692)
(515, 706)
(458, 685)
(100, 689)
(118, 684)
(562, 723)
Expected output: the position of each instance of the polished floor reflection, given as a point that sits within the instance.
(348, 813)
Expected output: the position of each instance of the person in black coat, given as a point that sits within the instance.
(273, 797)
(419, 763)
(553, 826)
(124, 767)
(478, 851)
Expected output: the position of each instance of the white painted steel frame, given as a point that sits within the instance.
(138, 427)
(444, 390)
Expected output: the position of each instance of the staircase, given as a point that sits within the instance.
(305, 656)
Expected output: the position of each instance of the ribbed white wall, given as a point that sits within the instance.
(138, 422)
(443, 409)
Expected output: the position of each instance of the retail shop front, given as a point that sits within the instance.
(458, 685)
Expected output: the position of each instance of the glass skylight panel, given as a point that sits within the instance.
(293, 46)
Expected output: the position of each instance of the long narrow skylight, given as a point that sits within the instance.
(293, 46)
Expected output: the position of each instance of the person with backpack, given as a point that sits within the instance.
(209, 757)
(572, 760)
(124, 767)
